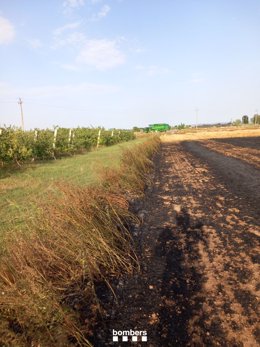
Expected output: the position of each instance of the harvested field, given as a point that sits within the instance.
(212, 133)
(198, 244)
(237, 150)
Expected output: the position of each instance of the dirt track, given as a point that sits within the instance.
(198, 246)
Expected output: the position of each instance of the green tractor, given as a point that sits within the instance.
(161, 127)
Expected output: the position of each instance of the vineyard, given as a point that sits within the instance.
(18, 146)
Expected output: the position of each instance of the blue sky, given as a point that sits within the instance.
(121, 63)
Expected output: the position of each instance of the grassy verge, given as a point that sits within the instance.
(77, 238)
(21, 188)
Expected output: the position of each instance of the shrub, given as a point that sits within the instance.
(17, 146)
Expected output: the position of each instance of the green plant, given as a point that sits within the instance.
(17, 146)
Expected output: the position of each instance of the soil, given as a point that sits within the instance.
(198, 245)
(237, 150)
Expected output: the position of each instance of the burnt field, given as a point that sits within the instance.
(247, 149)
(198, 246)
(246, 142)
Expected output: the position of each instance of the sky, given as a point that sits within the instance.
(125, 63)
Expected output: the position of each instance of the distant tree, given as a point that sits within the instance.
(255, 119)
(237, 122)
(245, 119)
(136, 129)
(181, 126)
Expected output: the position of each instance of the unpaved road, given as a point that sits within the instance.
(199, 253)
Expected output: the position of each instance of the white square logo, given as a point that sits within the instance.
(129, 336)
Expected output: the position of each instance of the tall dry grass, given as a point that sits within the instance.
(133, 176)
(48, 276)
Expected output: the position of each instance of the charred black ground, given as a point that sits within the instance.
(198, 250)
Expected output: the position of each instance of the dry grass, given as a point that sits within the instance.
(136, 163)
(211, 133)
(48, 275)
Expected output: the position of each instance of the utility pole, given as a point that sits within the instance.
(21, 107)
(197, 113)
